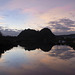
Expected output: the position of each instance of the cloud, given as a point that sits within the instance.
(58, 13)
(1, 17)
(39, 12)
(62, 25)
(40, 5)
(1, 23)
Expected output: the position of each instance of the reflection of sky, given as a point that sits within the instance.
(36, 14)
(18, 61)
(62, 52)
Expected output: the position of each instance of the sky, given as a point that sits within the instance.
(58, 15)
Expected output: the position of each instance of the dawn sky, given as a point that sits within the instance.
(58, 15)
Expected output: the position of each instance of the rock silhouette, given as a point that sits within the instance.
(32, 36)
(31, 39)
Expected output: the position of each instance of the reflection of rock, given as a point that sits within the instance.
(72, 45)
(4, 48)
(46, 48)
(43, 47)
(62, 52)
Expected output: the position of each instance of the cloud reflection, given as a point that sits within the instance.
(18, 61)
(62, 52)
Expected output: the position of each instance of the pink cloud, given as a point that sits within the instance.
(67, 8)
(36, 6)
(2, 23)
(20, 4)
(1, 17)
(30, 10)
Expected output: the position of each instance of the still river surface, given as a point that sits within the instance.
(60, 60)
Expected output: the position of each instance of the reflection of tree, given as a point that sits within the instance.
(63, 52)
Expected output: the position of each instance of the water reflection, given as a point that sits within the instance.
(62, 52)
(43, 47)
(59, 60)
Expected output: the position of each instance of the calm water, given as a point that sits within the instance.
(60, 60)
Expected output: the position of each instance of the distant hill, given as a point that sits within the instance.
(67, 36)
(9, 32)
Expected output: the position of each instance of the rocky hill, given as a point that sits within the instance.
(43, 36)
